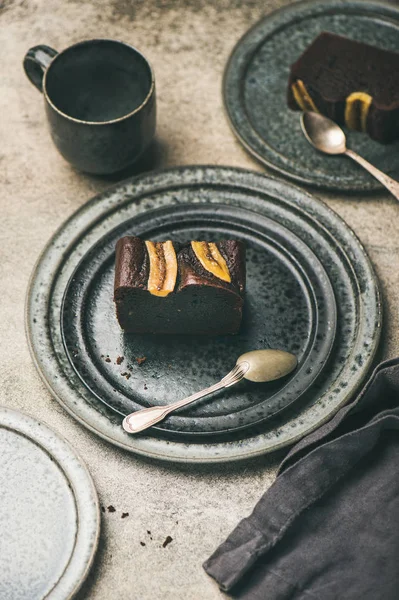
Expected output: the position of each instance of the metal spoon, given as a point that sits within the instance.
(258, 365)
(326, 136)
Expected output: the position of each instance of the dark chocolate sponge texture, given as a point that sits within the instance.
(353, 83)
(170, 288)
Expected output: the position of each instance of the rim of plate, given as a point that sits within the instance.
(85, 497)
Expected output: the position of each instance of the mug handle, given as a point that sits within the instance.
(36, 61)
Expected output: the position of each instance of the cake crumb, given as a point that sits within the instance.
(140, 360)
(167, 541)
(149, 532)
(108, 359)
(111, 508)
(142, 543)
(120, 360)
(126, 374)
(145, 386)
(124, 515)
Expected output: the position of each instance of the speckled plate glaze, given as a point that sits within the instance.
(49, 518)
(326, 235)
(289, 304)
(255, 83)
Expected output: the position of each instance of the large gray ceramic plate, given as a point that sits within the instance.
(49, 518)
(322, 231)
(255, 84)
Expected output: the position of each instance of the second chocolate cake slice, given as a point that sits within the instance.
(350, 82)
(171, 288)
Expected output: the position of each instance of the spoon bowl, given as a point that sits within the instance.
(267, 365)
(325, 135)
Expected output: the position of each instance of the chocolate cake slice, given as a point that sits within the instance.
(352, 83)
(171, 288)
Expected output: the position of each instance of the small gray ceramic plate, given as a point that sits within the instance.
(339, 252)
(289, 304)
(255, 88)
(49, 518)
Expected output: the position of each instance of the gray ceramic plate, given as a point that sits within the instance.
(49, 518)
(322, 231)
(255, 83)
(289, 304)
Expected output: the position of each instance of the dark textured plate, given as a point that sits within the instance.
(327, 236)
(289, 304)
(255, 84)
(49, 518)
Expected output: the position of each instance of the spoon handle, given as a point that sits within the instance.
(390, 184)
(147, 417)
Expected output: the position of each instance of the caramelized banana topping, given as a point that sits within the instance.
(163, 268)
(210, 258)
(302, 97)
(357, 108)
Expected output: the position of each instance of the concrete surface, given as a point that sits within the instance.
(188, 43)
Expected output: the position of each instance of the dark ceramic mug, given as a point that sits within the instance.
(99, 99)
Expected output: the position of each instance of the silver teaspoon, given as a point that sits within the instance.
(258, 366)
(326, 136)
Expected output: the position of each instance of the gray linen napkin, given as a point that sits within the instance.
(328, 528)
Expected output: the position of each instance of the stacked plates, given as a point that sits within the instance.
(310, 290)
